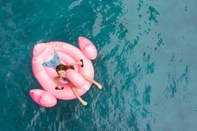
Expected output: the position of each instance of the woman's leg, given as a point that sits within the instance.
(92, 81)
(77, 94)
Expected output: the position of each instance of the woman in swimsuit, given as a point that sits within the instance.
(61, 69)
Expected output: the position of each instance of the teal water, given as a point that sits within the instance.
(146, 64)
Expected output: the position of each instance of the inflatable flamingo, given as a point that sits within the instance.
(43, 67)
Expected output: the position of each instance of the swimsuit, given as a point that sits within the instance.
(65, 79)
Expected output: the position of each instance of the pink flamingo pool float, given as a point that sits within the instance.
(45, 52)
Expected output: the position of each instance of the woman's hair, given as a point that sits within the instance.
(63, 67)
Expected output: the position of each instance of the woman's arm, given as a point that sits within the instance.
(76, 63)
(56, 81)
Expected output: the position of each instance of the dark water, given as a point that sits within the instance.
(146, 64)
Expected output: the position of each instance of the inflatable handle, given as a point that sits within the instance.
(48, 100)
(87, 48)
(90, 52)
(43, 98)
(75, 78)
